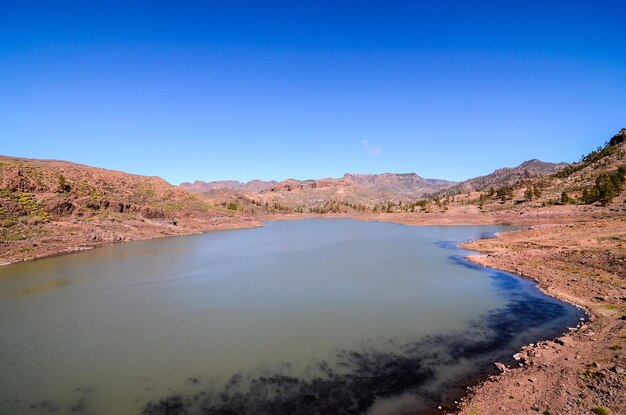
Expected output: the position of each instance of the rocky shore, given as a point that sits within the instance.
(63, 237)
(583, 371)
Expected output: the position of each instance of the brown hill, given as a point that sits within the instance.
(50, 200)
(507, 176)
(203, 187)
(50, 206)
(393, 185)
(596, 179)
(533, 184)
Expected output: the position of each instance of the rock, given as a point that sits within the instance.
(521, 357)
(618, 369)
(501, 367)
(563, 340)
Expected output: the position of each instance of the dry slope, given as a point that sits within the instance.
(48, 206)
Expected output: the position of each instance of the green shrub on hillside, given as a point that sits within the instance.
(601, 410)
(608, 185)
(611, 147)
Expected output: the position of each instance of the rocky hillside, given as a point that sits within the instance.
(386, 185)
(352, 192)
(531, 185)
(50, 200)
(204, 187)
(407, 185)
(59, 189)
(597, 179)
(507, 176)
(49, 206)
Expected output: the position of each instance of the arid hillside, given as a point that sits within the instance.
(200, 186)
(508, 176)
(49, 205)
(530, 188)
(351, 193)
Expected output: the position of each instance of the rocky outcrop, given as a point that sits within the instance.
(203, 187)
(507, 176)
(405, 184)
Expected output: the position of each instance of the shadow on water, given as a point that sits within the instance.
(434, 370)
(365, 375)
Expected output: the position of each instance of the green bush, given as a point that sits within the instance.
(608, 185)
(601, 410)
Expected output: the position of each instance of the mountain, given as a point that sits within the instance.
(507, 176)
(597, 180)
(349, 193)
(203, 187)
(387, 185)
(407, 184)
(50, 206)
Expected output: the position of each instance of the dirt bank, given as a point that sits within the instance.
(584, 263)
(61, 237)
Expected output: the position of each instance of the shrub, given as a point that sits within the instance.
(601, 410)
(63, 185)
(608, 185)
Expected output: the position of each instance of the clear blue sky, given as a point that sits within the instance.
(239, 90)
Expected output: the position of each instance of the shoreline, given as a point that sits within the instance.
(574, 373)
(89, 235)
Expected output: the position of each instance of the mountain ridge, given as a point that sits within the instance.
(53, 205)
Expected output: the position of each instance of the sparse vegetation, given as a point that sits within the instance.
(610, 148)
(505, 193)
(63, 185)
(601, 410)
(608, 185)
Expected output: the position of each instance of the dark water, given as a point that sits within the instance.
(316, 316)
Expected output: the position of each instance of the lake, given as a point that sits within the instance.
(312, 316)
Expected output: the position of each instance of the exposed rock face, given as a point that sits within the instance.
(406, 184)
(291, 185)
(508, 176)
(203, 187)
(351, 192)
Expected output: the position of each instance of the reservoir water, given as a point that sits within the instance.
(304, 317)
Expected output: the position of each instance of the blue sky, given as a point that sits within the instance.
(240, 90)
